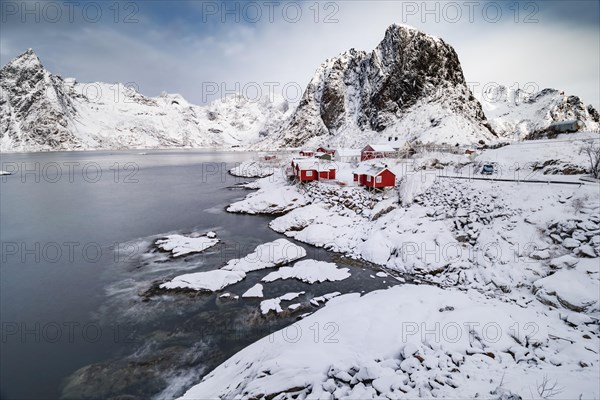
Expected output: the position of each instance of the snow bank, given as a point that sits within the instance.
(267, 255)
(414, 184)
(310, 271)
(207, 281)
(298, 218)
(180, 245)
(571, 288)
(273, 197)
(409, 341)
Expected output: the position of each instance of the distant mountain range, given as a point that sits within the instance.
(41, 111)
(411, 87)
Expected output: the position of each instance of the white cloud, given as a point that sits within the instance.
(182, 58)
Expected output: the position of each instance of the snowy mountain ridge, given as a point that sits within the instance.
(517, 114)
(410, 86)
(40, 111)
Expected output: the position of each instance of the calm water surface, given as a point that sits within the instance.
(77, 232)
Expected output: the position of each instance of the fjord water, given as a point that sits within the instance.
(77, 232)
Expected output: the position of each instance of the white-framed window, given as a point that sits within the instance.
(368, 178)
(308, 173)
(378, 179)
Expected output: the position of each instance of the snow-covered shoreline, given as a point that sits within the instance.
(512, 255)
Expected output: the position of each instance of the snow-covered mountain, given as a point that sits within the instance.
(411, 86)
(41, 111)
(516, 114)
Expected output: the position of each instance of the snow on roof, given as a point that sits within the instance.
(381, 147)
(370, 169)
(312, 163)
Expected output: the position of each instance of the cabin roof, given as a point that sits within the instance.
(313, 164)
(371, 169)
(380, 147)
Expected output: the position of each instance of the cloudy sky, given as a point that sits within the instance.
(206, 49)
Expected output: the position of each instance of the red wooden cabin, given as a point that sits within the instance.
(374, 176)
(326, 151)
(312, 170)
(374, 151)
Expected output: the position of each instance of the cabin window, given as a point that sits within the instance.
(368, 179)
(308, 173)
(378, 179)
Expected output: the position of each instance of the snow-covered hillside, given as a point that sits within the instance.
(507, 302)
(41, 111)
(411, 86)
(516, 114)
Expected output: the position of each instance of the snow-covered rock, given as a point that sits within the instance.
(267, 255)
(180, 245)
(571, 288)
(254, 291)
(269, 201)
(385, 344)
(275, 304)
(310, 271)
(205, 281)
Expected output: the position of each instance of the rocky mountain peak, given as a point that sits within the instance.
(410, 76)
(26, 61)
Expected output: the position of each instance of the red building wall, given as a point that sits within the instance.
(388, 179)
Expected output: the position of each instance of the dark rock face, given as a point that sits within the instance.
(372, 91)
(34, 110)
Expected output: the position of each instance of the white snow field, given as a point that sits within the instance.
(411, 342)
(510, 300)
(310, 271)
(180, 245)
